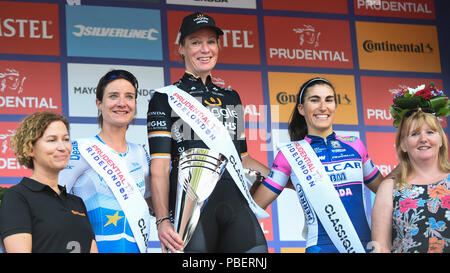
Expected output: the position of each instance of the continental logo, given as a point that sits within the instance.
(398, 47)
(284, 98)
(373, 46)
(283, 90)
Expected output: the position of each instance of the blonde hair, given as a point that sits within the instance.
(30, 130)
(403, 129)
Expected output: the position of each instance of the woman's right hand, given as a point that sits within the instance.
(169, 239)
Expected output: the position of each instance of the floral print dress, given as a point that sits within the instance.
(421, 218)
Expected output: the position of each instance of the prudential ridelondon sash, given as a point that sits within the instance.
(310, 175)
(214, 134)
(114, 171)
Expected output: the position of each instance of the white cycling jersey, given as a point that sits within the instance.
(111, 228)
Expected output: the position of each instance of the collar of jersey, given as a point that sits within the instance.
(36, 186)
(317, 139)
(189, 77)
(121, 155)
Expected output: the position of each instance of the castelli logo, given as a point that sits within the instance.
(23, 28)
(29, 28)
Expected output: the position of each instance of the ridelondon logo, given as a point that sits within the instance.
(310, 42)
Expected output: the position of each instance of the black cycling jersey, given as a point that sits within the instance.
(226, 212)
(169, 136)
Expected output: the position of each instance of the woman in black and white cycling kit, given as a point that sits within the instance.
(227, 224)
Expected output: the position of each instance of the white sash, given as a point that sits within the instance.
(311, 177)
(114, 171)
(214, 134)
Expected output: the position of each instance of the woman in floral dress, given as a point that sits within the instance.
(411, 212)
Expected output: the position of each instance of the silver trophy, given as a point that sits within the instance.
(199, 170)
(254, 178)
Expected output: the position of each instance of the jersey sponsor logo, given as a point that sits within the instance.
(338, 177)
(157, 124)
(342, 166)
(156, 113)
(213, 101)
(78, 213)
(75, 155)
(349, 138)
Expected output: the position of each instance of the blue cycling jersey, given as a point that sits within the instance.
(347, 163)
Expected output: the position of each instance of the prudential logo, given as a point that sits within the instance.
(113, 32)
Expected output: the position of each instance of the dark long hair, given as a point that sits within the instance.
(298, 128)
(109, 77)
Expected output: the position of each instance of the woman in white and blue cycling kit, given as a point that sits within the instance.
(116, 102)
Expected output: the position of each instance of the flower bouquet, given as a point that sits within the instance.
(420, 97)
